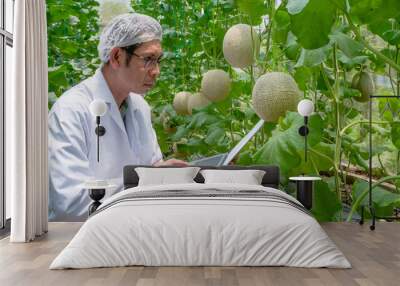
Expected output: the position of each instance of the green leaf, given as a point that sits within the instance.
(357, 160)
(280, 151)
(392, 37)
(395, 134)
(180, 133)
(388, 30)
(71, 26)
(58, 75)
(351, 62)
(349, 46)
(245, 158)
(318, 153)
(310, 58)
(285, 143)
(253, 8)
(316, 127)
(341, 4)
(350, 92)
(369, 11)
(292, 48)
(383, 200)
(388, 108)
(303, 75)
(322, 162)
(201, 119)
(326, 205)
(281, 26)
(314, 23)
(296, 6)
(214, 135)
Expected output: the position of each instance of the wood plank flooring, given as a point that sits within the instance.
(375, 257)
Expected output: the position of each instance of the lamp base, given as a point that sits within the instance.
(305, 193)
(96, 195)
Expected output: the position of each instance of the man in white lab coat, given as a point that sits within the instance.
(130, 50)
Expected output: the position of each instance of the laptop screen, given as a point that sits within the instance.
(225, 158)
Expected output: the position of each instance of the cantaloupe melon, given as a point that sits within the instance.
(216, 85)
(275, 93)
(197, 100)
(180, 102)
(364, 83)
(241, 45)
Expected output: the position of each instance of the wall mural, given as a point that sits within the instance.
(216, 51)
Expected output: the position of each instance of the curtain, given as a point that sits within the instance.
(26, 124)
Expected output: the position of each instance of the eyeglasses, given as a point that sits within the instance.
(149, 62)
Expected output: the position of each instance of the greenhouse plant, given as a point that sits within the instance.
(337, 63)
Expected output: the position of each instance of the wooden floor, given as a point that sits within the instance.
(375, 257)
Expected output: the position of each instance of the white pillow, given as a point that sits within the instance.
(248, 177)
(165, 176)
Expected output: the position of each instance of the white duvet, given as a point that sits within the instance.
(192, 231)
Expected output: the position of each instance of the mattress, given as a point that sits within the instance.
(201, 225)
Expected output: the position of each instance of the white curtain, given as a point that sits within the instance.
(26, 124)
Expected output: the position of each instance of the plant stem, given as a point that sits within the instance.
(398, 162)
(385, 172)
(231, 134)
(316, 171)
(338, 141)
(252, 75)
(357, 203)
(326, 80)
(231, 124)
(345, 173)
(205, 51)
(390, 77)
(271, 17)
(398, 73)
(215, 36)
(183, 61)
(397, 167)
(262, 135)
(315, 100)
(368, 46)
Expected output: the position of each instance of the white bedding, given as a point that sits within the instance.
(183, 231)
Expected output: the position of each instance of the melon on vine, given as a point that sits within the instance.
(364, 83)
(180, 102)
(197, 100)
(274, 94)
(240, 46)
(216, 85)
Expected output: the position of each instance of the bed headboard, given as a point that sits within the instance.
(270, 179)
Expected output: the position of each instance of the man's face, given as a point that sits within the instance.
(140, 73)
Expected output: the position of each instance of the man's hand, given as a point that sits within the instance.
(171, 162)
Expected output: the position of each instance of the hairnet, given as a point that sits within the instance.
(126, 30)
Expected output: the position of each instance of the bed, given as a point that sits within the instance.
(201, 224)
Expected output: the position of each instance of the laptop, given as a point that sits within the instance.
(225, 158)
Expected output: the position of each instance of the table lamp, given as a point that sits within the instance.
(305, 109)
(98, 108)
(97, 188)
(305, 184)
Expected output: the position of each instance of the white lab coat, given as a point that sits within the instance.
(73, 145)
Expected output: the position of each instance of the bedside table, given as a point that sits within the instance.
(97, 190)
(305, 186)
